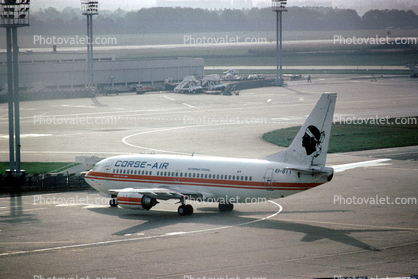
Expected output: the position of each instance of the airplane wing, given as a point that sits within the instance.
(158, 193)
(372, 163)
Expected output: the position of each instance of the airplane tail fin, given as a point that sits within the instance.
(310, 146)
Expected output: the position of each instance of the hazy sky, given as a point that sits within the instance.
(129, 5)
(103, 4)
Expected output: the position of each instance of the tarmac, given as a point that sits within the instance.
(362, 223)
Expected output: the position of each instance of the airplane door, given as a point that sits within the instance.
(268, 180)
(107, 169)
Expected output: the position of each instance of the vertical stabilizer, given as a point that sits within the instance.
(310, 146)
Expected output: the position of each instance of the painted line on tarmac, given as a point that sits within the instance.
(190, 106)
(124, 140)
(142, 238)
(169, 98)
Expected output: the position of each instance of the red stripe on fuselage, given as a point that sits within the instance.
(235, 184)
(130, 201)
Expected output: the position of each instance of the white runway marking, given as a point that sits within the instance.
(142, 238)
(169, 98)
(124, 140)
(190, 106)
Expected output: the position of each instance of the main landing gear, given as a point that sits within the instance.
(223, 207)
(113, 202)
(185, 209)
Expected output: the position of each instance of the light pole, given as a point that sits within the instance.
(279, 6)
(89, 9)
(13, 14)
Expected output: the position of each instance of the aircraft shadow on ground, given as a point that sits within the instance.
(155, 219)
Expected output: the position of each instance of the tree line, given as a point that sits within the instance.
(181, 20)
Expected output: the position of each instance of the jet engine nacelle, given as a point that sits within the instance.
(135, 200)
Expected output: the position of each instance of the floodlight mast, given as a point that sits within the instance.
(13, 14)
(279, 6)
(89, 9)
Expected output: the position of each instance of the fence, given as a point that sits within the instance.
(43, 182)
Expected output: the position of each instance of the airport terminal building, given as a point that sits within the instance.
(69, 70)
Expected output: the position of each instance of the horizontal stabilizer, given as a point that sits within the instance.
(373, 163)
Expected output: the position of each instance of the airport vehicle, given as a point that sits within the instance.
(212, 83)
(139, 181)
(188, 85)
(232, 72)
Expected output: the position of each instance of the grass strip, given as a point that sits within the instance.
(356, 137)
(36, 167)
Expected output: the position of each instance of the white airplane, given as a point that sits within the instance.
(139, 181)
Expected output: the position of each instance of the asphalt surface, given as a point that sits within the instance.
(362, 223)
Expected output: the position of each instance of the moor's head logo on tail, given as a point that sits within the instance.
(312, 140)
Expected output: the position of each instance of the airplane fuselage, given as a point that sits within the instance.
(235, 180)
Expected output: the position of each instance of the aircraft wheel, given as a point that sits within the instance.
(223, 207)
(113, 202)
(184, 210)
(189, 209)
